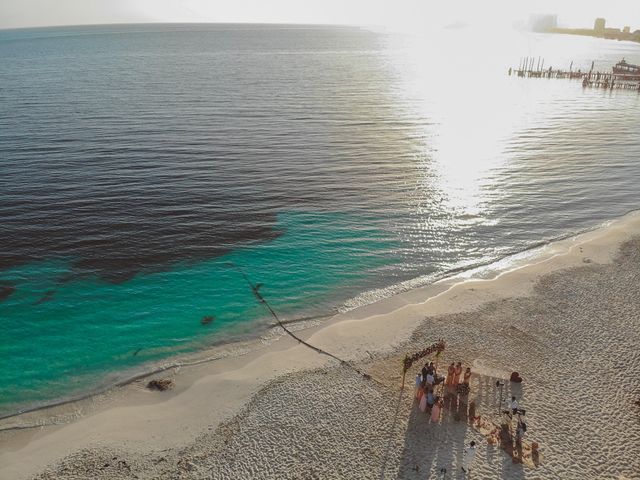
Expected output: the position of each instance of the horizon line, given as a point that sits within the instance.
(33, 27)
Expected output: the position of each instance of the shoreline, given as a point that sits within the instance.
(132, 414)
(268, 332)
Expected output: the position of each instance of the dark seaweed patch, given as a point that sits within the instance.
(6, 291)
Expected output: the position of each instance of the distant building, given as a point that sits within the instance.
(613, 33)
(546, 23)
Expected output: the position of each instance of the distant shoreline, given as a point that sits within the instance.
(585, 32)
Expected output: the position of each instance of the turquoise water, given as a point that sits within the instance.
(335, 165)
(65, 344)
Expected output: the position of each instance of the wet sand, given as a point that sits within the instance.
(566, 317)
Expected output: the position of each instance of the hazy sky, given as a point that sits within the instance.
(397, 14)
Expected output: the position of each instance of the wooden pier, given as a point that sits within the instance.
(530, 68)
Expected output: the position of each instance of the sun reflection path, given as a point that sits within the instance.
(456, 90)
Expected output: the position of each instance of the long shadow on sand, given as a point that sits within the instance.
(430, 448)
(490, 400)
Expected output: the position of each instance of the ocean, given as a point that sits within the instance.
(146, 169)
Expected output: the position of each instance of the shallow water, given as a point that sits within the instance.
(141, 164)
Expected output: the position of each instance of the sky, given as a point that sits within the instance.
(393, 14)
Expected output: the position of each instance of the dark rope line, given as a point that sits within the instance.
(255, 289)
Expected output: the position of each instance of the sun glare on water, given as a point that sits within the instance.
(456, 82)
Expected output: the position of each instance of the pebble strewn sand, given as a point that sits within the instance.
(576, 342)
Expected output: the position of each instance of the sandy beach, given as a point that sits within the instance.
(566, 317)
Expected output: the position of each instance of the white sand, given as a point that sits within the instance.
(567, 318)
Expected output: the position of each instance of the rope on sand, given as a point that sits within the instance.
(255, 288)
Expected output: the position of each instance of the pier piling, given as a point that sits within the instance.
(530, 67)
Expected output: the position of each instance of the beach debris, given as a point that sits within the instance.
(515, 377)
(207, 320)
(6, 291)
(160, 384)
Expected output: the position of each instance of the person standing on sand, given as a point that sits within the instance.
(418, 386)
(430, 379)
(423, 404)
(513, 406)
(431, 398)
(420, 392)
(435, 411)
(450, 373)
(467, 376)
(469, 455)
(456, 374)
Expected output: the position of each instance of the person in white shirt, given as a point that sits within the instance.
(430, 378)
(469, 455)
(514, 405)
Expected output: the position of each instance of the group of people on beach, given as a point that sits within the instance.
(428, 380)
(435, 392)
(453, 375)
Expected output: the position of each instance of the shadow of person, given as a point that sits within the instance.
(517, 455)
(432, 447)
(506, 440)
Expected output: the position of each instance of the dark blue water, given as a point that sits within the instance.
(139, 165)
